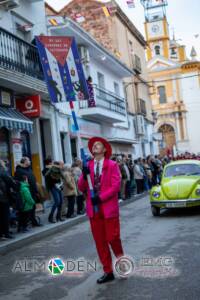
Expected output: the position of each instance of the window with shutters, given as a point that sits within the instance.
(162, 94)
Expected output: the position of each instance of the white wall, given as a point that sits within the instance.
(110, 77)
(28, 12)
(191, 98)
(138, 151)
(120, 132)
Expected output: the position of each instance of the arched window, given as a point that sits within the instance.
(162, 94)
(173, 51)
(157, 50)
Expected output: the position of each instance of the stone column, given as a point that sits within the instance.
(185, 126)
(178, 133)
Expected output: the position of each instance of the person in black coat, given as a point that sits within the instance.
(54, 182)
(6, 184)
(24, 169)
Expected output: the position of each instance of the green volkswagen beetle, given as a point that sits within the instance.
(180, 186)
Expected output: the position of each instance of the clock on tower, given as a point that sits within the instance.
(156, 27)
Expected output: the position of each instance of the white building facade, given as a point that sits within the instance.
(20, 77)
(109, 117)
(50, 132)
(191, 98)
(39, 135)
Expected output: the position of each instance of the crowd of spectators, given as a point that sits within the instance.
(20, 194)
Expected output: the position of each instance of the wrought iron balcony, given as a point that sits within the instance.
(104, 106)
(18, 55)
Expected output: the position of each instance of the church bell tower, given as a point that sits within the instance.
(156, 28)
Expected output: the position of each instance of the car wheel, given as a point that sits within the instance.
(155, 211)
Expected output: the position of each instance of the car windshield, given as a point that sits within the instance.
(183, 169)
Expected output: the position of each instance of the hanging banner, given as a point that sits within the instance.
(62, 68)
(130, 3)
(79, 18)
(106, 11)
(91, 100)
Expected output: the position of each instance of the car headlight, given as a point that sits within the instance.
(156, 194)
(197, 192)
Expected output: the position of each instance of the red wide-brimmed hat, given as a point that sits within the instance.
(108, 147)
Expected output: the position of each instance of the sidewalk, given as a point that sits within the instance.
(37, 233)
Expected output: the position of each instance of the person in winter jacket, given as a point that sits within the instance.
(139, 176)
(69, 190)
(6, 184)
(27, 203)
(124, 179)
(48, 164)
(77, 172)
(24, 169)
(54, 183)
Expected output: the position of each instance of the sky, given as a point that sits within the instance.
(182, 15)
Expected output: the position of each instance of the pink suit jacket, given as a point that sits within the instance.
(109, 189)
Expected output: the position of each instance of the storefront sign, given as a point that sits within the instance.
(30, 106)
(6, 98)
(17, 151)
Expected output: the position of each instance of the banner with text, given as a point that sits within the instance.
(62, 68)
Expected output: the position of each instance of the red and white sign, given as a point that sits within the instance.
(29, 106)
(58, 46)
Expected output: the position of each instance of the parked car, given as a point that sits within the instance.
(180, 186)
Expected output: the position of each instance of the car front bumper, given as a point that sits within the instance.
(176, 203)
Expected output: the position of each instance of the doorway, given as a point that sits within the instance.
(46, 139)
(169, 139)
(73, 148)
(5, 154)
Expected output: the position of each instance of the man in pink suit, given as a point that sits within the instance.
(105, 226)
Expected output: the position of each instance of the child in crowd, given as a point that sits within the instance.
(27, 204)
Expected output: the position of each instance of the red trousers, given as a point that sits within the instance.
(106, 233)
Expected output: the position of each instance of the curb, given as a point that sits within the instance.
(51, 229)
(134, 198)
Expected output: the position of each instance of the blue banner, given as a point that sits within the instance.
(62, 68)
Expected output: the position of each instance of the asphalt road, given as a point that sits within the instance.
(165, 252)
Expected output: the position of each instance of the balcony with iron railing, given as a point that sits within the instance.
(104, 106)
(18, 55)
(141, 107)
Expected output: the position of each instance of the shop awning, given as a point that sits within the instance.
(13, 119)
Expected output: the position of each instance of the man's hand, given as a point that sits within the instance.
(95, 200)
(86, 171)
